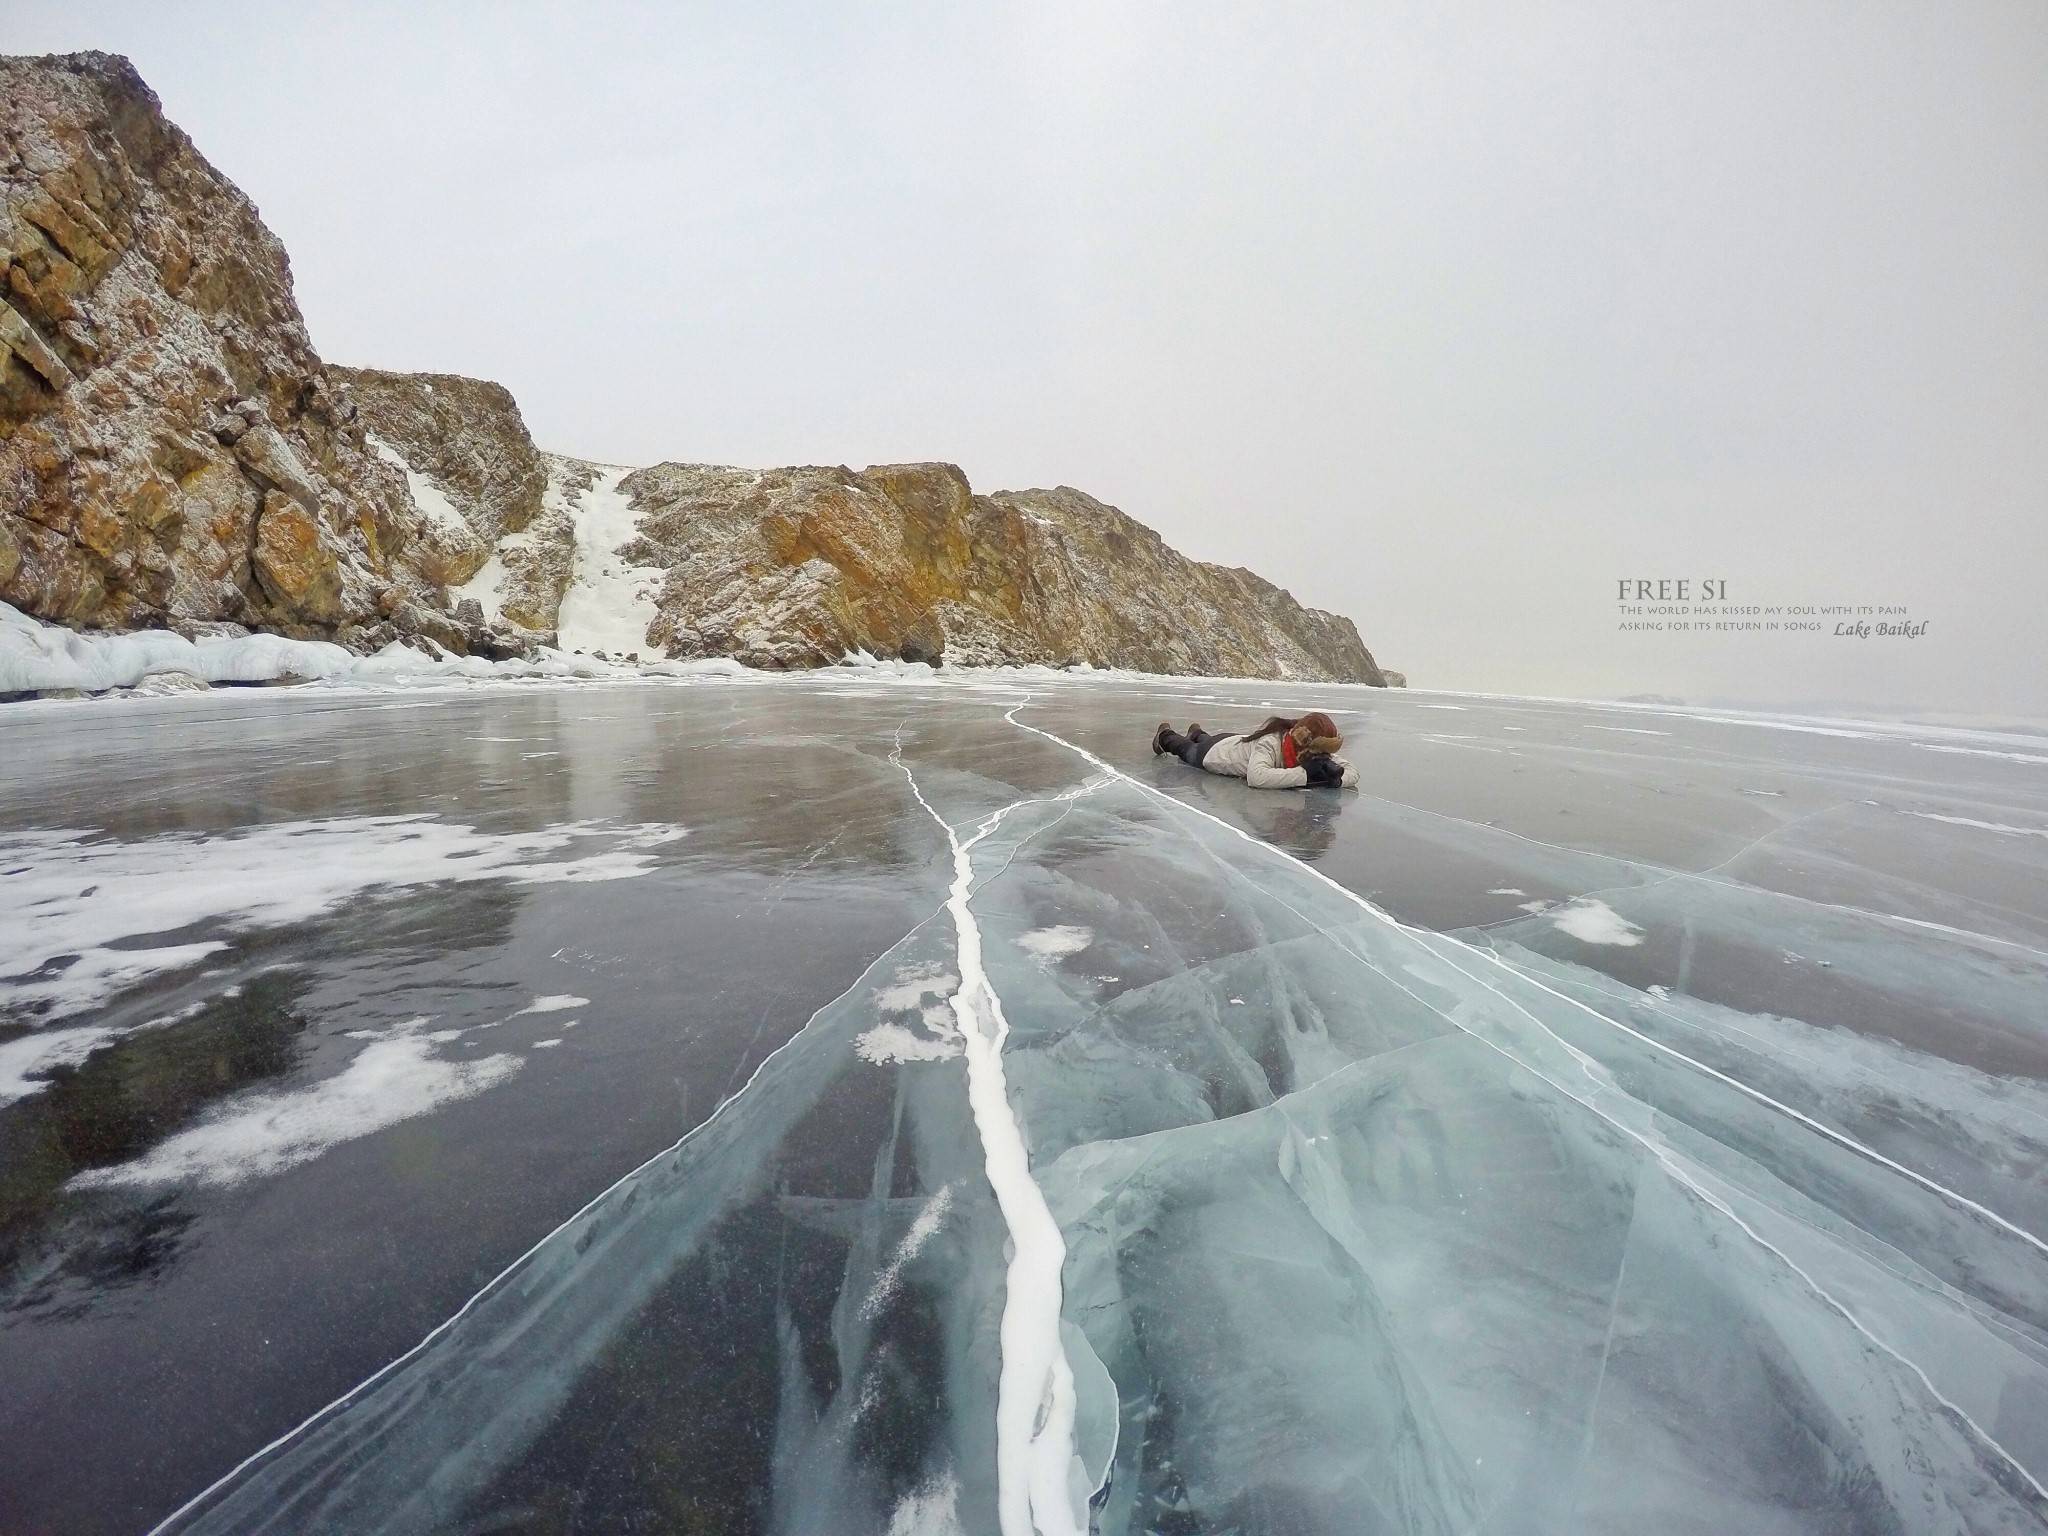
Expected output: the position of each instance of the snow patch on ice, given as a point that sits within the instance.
(933, 1510)
(560, 1002)
(911, 985)
(1987, 826)
(1053, 943)
(2011, 757)
(81, 895)
(1506, 890)
(264, 1134)
(893, 1044)
(41, 1052)
(1592, 921)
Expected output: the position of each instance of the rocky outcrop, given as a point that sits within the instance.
(799, 567)
(472, 469)
(530, 569)
(173, 453)
(464, 436)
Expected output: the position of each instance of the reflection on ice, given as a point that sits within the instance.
(1352, 1226)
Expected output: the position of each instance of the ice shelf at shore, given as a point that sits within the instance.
(40, 658)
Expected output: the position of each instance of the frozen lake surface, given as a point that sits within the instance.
(856, 1105)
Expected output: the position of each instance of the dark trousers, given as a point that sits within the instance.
(1190, 749)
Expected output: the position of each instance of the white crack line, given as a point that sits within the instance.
(1035, 1487)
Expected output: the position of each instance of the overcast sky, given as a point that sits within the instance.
(1446, 316)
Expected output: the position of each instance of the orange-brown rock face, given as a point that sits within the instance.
(799, 567)
(172, 451)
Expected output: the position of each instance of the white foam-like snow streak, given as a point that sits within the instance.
(1036, 1486)
(427, 496)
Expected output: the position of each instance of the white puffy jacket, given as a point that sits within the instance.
(1259, 764)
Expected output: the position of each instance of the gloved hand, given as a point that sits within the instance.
(1323, 770)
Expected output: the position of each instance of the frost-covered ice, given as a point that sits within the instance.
(26, 1060)
(1982, 826)
(890, 1043)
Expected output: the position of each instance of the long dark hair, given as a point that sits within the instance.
(1273, 726)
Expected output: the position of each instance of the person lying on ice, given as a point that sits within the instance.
(1281, 754)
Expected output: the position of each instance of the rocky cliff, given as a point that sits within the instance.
(174, 454)
(798, 567)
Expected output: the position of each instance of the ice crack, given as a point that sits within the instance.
(1035, 1489)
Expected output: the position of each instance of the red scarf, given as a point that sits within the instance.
(1287, 758)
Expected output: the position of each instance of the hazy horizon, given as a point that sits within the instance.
(1445, 320)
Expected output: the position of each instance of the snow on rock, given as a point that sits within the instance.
(609, 601)
(456, 552)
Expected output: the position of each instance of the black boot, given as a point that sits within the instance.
(1159, 746)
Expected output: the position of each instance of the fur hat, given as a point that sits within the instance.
(1321, 730)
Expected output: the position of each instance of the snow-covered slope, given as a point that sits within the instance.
(609, 602)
